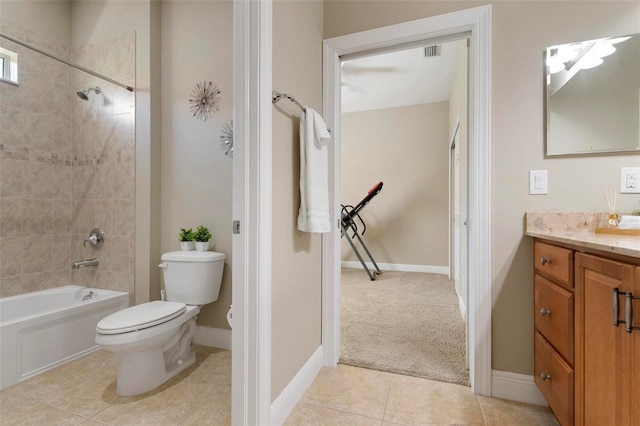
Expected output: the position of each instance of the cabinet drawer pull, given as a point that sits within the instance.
(545, 312)
(545, 376)
(628, 312)
(615, 308)
(544, 261)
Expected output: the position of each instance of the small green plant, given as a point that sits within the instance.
(186, 234)
(202, 234)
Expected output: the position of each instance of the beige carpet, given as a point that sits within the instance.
(404, 322)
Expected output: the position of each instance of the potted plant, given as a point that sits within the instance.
(202, 237)
(187, 239)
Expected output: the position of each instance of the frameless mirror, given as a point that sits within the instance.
(593, 96)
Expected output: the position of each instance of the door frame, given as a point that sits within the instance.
(252, 170)
(475, 22)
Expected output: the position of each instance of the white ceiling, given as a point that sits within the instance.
(398, 78)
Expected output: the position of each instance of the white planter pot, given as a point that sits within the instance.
(202, 245)
(187, 245)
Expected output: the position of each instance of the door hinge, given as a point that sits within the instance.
(236, 226)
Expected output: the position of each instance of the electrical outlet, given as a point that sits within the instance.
(630, 180)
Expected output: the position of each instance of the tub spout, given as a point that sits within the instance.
(83, 263)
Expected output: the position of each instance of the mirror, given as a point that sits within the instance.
(593, 96)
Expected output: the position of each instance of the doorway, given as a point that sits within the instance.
(398, 112)
(476, 24)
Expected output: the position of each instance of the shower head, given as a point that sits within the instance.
(84, 94)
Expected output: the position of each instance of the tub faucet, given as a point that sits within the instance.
(82, 263)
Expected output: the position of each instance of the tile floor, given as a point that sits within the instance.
(83, 392)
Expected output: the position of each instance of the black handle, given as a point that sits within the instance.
(616, 307)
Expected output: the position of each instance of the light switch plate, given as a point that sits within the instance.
(630, 180)
(538, 182)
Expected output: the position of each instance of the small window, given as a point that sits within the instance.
(9, 66)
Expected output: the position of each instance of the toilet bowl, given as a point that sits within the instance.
(153, 339)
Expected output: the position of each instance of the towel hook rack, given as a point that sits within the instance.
(277, 96)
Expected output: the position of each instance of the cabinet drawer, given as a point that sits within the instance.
(554, 262)
(557, 387)
(553, 316)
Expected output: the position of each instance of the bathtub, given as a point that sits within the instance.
(43, 329)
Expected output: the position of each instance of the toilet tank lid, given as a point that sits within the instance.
(193, 256)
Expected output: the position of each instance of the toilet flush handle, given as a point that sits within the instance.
(163, 265)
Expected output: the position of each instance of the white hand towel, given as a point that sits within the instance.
(629, 222)
(313, 215)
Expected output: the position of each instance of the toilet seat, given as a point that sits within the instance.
(140, 317)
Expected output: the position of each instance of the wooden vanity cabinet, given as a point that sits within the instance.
(607, 357)
(554, 328)
(587, 358)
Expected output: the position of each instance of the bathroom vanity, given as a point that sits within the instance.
(587, 322)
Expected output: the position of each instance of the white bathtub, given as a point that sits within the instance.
(43, 329)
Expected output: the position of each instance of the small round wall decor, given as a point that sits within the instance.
(204, 100)
(226, 139)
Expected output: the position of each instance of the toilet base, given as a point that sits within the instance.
(140, 372)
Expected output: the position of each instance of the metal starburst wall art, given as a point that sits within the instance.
(226, 139)
(204, 100)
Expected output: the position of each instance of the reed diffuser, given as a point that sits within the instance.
(613, 217)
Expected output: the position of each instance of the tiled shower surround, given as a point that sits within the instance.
(66, 166)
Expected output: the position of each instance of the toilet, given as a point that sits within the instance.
(153, 339)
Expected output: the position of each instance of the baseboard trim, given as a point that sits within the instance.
(284, 405)
(212, 337)
(516, 387)
(429, 269)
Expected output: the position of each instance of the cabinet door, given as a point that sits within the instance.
(603, 351)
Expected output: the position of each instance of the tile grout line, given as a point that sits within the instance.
(386, 400)
(484, 418)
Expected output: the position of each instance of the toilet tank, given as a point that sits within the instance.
(192, 277)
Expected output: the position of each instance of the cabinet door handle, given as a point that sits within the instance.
(615, 307)
(544, 261)
(545, 376)
(545, 312)
(628, 312)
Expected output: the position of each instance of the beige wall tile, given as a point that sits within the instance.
(37, 254)
(84, 182)
(61, 217)
(11, 178)
(37, 180)
(61, 252)
(83, 216)
(62, 182)
(12, 121)
(10, 286)
(37, 217)
(10, 256)
(11, 218)
(36, 282)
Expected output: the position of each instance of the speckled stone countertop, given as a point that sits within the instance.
(578, 229)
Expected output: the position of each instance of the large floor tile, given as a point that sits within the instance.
(501, 412)
(214, 412)
(346, 388)
(414, 401)
(168, 404)
(19, 411)
(211, 364)
(314, 415)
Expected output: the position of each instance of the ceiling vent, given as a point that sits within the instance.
(431, 51)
